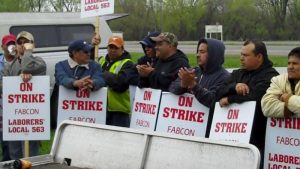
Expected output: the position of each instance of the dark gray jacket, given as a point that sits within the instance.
(211, 80)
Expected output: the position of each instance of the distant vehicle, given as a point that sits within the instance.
(54, 31)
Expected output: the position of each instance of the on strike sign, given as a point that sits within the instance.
(145, 108)
(182, 115)
(90, 8)
(282, 143)
(26, 108)
(234, 122)
(85, 106)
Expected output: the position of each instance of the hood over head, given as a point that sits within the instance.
(148, 42)
(216, 52)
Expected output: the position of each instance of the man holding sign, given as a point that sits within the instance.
(250, 84)
(207, 78)
(26, 66)
(282, 98)
(282, 103)
(79, 71)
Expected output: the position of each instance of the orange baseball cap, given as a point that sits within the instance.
(116, 41)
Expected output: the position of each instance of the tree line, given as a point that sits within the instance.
(241, 19)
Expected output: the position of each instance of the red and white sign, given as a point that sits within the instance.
(82, 106)
(145, 108)
(26, 108)
(90, 8)
(282, 143)
(233, 122)
(182, 115)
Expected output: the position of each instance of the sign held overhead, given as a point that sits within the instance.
(90, 8)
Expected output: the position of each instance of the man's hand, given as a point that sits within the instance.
(96, 39)
(26, 77)
(28, 46)
(224, 102)
(83, 83)
(242, 89)
(285, 97)
(144, 70)
(188, 78)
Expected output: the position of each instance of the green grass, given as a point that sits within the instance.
(230, 62)
(46, 144)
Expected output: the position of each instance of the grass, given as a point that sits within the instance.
(230, 62)
(45, 147)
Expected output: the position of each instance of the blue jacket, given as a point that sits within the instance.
(65, 75)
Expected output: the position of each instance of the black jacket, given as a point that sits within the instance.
(165, 72)
(134, 75)
(210, 80)
(258, 81)
(144, 60)
(117, 82)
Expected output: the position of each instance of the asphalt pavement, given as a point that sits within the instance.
(232, 48)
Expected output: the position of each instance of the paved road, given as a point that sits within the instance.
(274, 49)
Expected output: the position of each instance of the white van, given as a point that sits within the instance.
(54, 31)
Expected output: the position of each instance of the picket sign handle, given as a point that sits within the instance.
(97, 25)
(26, 149)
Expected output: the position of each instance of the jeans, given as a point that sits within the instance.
(4, 148)
(16, 149)
(118, 119)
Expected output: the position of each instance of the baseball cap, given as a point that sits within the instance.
(116, 40)
(8, 38)
(25, 35)
(167, 37)
(149, 42)
(78, 45)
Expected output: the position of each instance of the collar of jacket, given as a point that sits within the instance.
(73, 64)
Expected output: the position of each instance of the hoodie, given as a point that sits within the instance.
(145, 42)
(211, 80)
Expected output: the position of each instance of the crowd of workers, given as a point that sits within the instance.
(163, 67)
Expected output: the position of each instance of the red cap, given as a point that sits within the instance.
(8, 38)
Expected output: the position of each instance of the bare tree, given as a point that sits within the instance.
(65, 5)
(36, 5)
(280, 9)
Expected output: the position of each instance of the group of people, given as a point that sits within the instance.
(166, 67)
